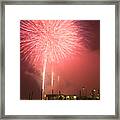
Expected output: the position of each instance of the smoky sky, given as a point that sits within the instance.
(81, 71)
(91, 32)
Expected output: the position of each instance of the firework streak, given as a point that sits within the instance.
(49, 39)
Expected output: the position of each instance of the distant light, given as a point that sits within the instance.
(62, 96)
(94, 90)
(75, 97)
(67, 96)
(97, 97)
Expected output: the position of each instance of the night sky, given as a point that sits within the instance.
(81, 70)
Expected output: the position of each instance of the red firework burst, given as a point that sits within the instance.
(53, 40)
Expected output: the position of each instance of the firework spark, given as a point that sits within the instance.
(54, 40)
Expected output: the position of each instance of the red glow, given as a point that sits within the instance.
(53, 40)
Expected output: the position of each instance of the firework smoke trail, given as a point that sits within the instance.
(52, 80)
(44, 69)
(58, 80)
(49, 41)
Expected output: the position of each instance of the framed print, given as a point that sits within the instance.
(60, 59)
